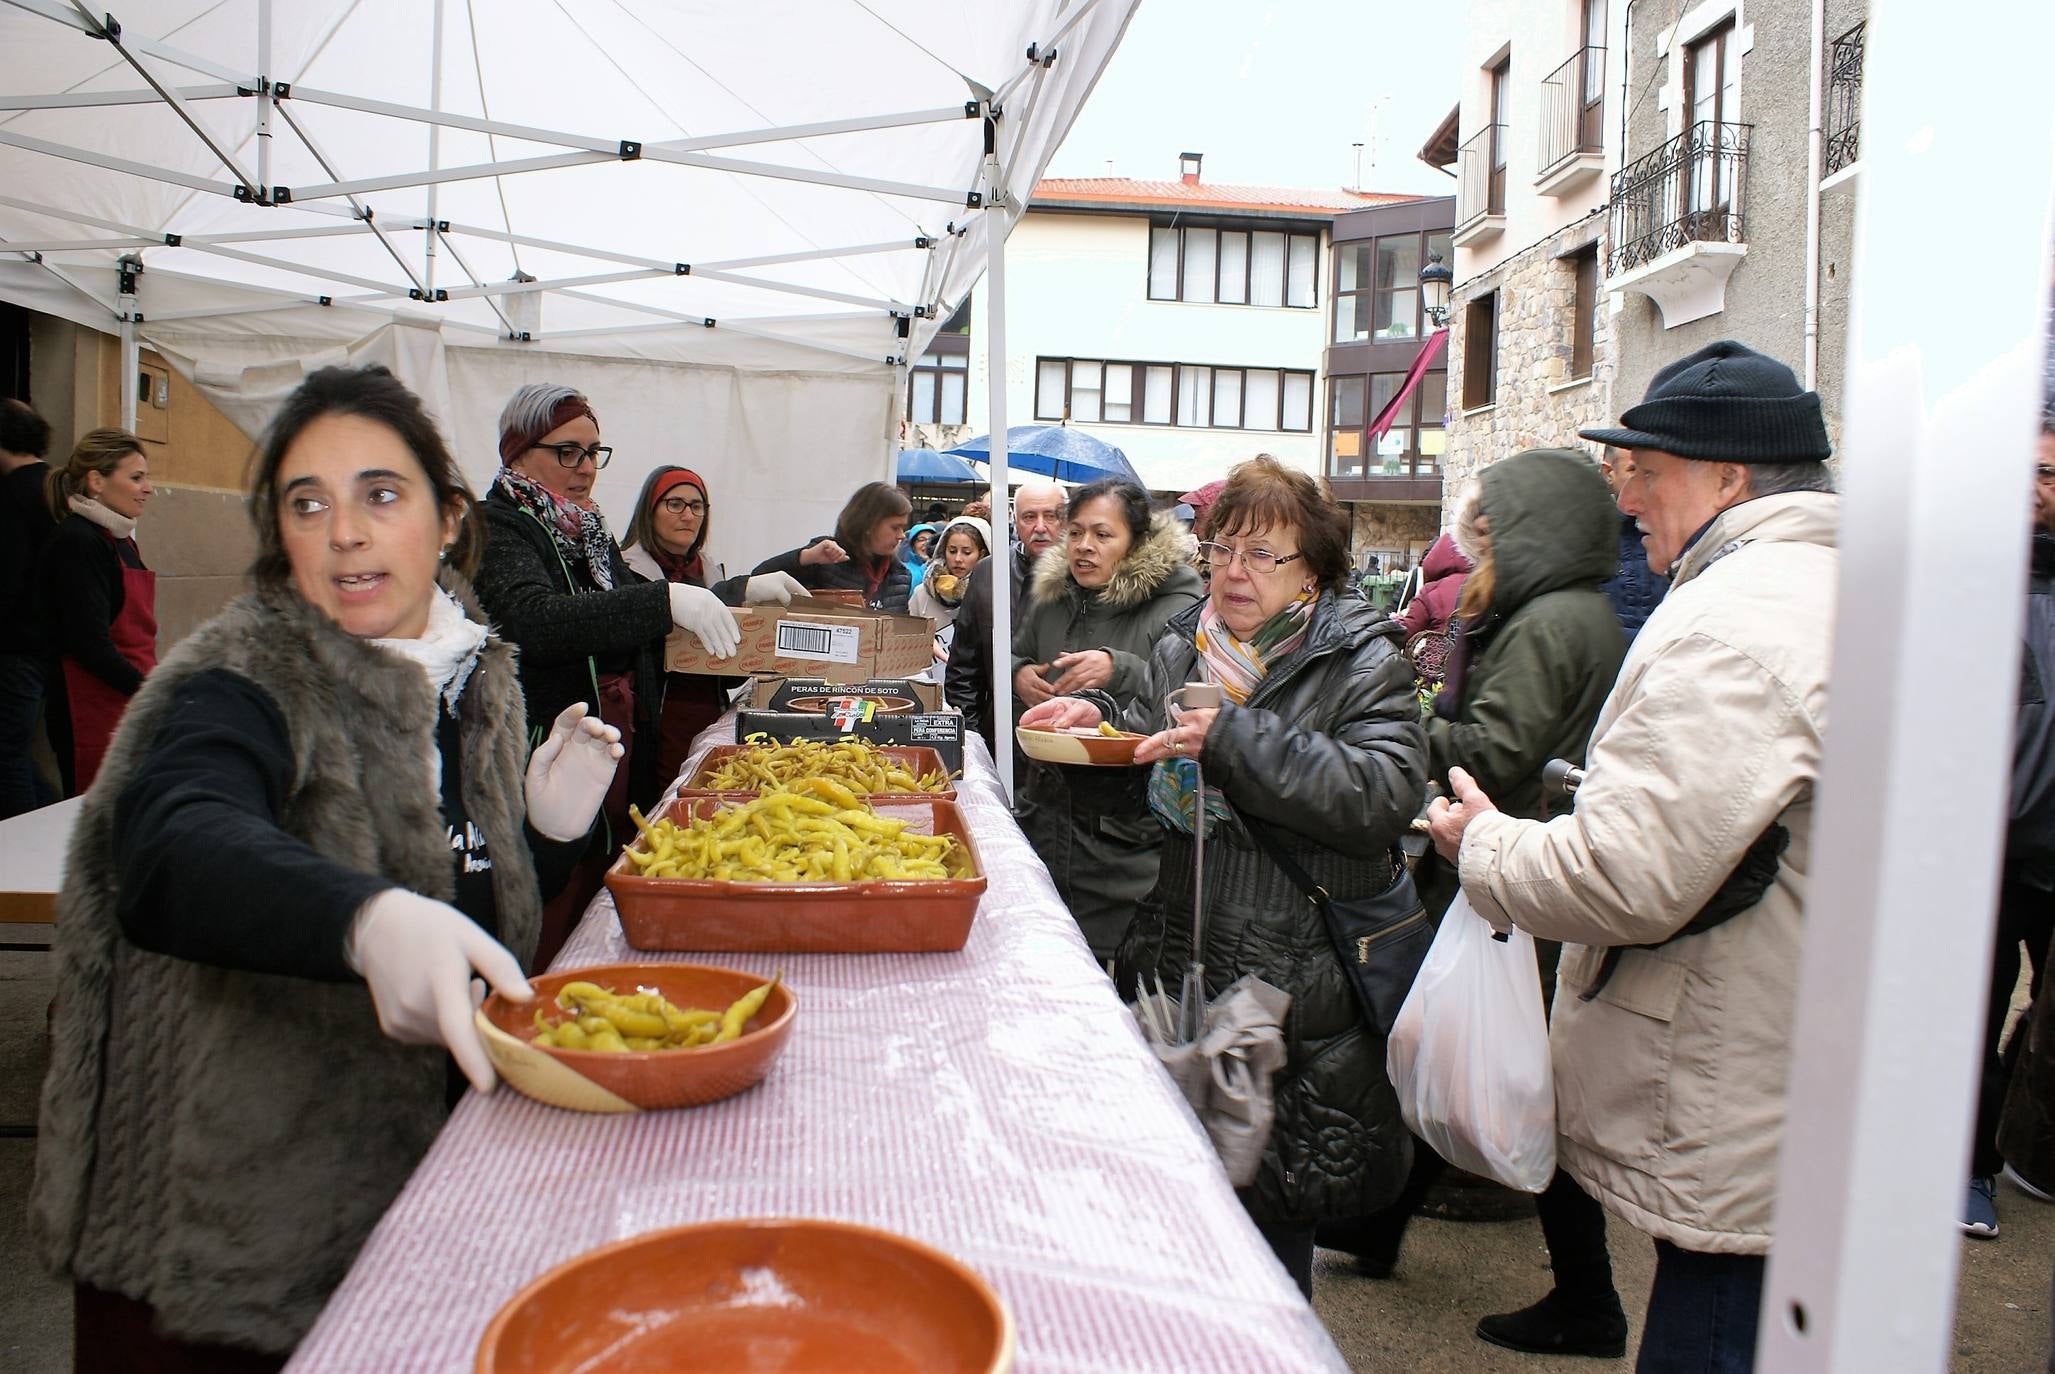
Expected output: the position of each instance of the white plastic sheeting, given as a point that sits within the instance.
(779, 194)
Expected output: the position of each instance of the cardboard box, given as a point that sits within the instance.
(883, 711)
(814, 637)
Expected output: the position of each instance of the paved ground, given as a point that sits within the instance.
(1418, 1322)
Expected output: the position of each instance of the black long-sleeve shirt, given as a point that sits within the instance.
(79, 586)
(25, 527)
(208, 874)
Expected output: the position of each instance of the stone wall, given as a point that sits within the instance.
(1382, 525)
(1538, 403)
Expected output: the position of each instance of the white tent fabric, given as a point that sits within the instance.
(732, 224)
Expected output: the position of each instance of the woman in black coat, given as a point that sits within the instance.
(863, 553)
(1319, 742)
(98, 599)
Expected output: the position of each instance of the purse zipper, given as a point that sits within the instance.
(1365, 943)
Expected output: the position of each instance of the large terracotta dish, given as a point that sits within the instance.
(754, 1296)
(916, 759)
(875, 916)
(590, 1081)
(1082, 746)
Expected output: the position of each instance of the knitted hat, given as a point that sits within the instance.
(983, 528)
(1726, 403)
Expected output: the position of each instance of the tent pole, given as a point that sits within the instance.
(428, 240)
(1002, 503)
(264, 95)
(1915, 773)
(131, 365)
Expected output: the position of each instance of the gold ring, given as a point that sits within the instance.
(1177, 746)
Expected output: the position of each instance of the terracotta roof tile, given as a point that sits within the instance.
(1206, 195)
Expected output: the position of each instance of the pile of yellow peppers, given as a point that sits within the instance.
(600, 1019)
(856, 766)
(784, 837)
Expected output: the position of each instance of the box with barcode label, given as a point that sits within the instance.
(815, 638)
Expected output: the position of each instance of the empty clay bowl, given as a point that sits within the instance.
(1082, 745)
(754, 1296)
(592, 1081)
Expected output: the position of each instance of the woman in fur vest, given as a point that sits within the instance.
(1095, 605)
(318, 821)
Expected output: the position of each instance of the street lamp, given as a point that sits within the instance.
(1435, 280)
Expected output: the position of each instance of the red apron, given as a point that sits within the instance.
(95, 707)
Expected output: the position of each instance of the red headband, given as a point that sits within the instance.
(514, 442)
(676, 478)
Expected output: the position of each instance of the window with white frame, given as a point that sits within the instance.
(1215, 266)
(1190, 395)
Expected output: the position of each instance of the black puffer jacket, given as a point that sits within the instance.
(1091, 826)
(1328, 752)
(1633, 589)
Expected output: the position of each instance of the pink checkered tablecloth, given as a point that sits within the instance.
(996, 1103)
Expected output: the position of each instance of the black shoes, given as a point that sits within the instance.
(1561, 1326)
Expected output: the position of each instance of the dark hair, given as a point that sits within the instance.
(642, 529)
(22, 430)
(1131, 499)
(369, 393)
(872, 505)
(1265, 494)
(98, 450)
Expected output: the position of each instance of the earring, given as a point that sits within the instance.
(442, 555)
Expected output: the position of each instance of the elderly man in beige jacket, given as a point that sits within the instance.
(1678, 883)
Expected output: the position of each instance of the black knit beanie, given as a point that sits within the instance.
(1726, 403)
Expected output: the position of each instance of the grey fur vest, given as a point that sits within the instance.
(217, 1143)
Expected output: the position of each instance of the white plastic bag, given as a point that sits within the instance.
(1469, 1054)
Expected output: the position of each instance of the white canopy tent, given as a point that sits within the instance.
(730, 225)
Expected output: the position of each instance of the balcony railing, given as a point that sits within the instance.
(1573, 109)
(1690, 190)
(1481, 176)
(1844, 101)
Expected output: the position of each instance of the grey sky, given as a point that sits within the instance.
(1273, 93)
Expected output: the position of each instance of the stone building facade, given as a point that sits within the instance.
(1538, 401)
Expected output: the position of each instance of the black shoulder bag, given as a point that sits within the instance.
(1381, 940)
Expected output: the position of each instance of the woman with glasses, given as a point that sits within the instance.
(587, 627)
(1318, 742)
(666, 543)
(1093, 607)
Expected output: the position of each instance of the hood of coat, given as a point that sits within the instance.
(1796, 517)
(1166, 551)
(1443, 559)
(1553, 525)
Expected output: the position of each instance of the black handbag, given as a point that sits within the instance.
(1381, 940)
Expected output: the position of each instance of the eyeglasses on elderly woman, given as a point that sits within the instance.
(570, 455)
(1255, 560)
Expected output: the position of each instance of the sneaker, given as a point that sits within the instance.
(2019, 1182)
(1560, 1326)
(1980, 1208)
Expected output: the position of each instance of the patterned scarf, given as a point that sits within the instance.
(679, 569)
(1238, 666)
(580, 533)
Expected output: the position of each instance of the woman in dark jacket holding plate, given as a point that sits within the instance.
(1319, 742)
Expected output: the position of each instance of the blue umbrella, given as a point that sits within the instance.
(926, 465)
(1055, 451)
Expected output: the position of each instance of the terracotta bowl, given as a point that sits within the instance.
(1079, 746)
(754, 1296)
(591, 1081)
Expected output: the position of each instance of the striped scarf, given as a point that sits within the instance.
(1238, 666)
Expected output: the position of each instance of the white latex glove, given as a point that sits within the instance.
(417, 955)
(698, 610)
(568, 775)
(773, 586)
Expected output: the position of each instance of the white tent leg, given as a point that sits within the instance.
(131, 366)
(1002, 502)
(1940, 445)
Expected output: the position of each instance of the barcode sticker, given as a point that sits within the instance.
(825, 643)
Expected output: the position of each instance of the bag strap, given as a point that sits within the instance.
(1300, 879)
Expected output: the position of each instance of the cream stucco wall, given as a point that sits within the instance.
(1077, 286)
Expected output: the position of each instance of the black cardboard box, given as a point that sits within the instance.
(883, 711)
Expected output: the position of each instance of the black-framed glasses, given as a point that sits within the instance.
(678, 505)
(1255, 560)
(570, 455)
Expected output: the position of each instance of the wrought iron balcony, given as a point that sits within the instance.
(1844, 101)
(1480, 181)
(1690, 190)
(1572, 120)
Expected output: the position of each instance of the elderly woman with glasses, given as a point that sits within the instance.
(1315, 754)
(587, 627)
